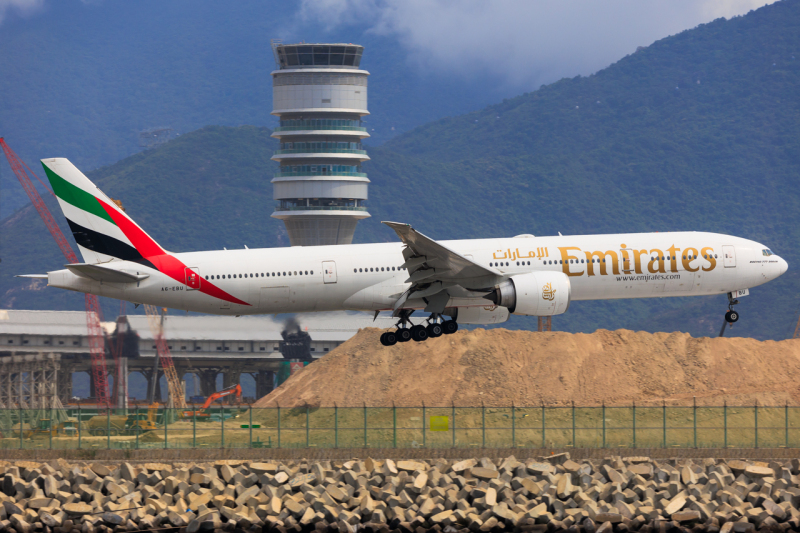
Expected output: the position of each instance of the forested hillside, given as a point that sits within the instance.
(699, 131)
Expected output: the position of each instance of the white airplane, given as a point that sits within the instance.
(477, 281)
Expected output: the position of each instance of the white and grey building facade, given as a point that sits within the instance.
(320, 96)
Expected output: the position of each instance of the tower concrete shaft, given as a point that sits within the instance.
(320, 95)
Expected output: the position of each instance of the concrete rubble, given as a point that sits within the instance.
(553, 493)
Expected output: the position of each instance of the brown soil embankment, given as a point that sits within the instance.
(497, 367)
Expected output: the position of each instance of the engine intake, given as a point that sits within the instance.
(534, 294)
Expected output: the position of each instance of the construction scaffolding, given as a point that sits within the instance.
(29, 383)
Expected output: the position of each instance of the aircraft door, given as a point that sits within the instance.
(192, 278)
(729, 256)
(329, 271)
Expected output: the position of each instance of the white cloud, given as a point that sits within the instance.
(23, 7)
(523, 43)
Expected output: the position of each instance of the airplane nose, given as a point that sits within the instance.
(783, 265)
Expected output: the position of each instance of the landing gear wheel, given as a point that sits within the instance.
(434, 330)
(419, 333)
(383, 339)
(450, 327)
(403, 334)
(389, 338)
(732, 316)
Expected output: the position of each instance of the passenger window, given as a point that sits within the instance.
(312, 272)
(355, 270)
(392, 269)
(360, 269)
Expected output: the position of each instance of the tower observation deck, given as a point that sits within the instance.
(320, 95)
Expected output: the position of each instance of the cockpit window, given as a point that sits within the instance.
(767, 252)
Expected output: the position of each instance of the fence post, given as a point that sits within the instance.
(634, 424)
(20, 426)
(454, 424)
(513, 426)
(694, 418)
(222, 422)
(394, 425)
(335, 425)
(251, 426)
(80, 426)
(756, 420)
(108, 426)
(483, 425)
(307, 429)
(165, 418)
(136, 414)
(279, 425)
(786, 422)
(574, 444)
(604, 423)
(424, 443)
(725, 421)
(50, 430)
(664, 421)
(365, 425)
(194, 426)
(544, 440)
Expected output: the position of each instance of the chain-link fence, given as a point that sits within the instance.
(408, 427)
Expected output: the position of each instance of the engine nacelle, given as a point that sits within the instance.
(489, 314)
(534, 294)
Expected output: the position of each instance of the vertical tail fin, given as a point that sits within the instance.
(102, 230)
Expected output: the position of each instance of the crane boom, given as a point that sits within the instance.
(173, 381)
(93, 311)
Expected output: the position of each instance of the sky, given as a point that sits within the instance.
(523, 43)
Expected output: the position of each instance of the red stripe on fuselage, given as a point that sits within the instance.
(163, 261)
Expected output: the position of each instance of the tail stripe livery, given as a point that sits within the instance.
(103, 232)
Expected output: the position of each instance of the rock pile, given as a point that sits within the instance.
(553, 494)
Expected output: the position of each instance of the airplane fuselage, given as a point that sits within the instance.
(369, 277)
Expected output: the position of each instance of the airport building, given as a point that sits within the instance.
(320, 96)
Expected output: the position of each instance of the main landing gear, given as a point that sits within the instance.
(436, 328)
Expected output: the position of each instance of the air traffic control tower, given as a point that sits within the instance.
(320, 95)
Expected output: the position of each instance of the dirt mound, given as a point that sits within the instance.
(499, 366)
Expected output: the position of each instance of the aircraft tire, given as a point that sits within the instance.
(390, 339)
(732, 316)
(383, 339)
(450, 327)
(403, 334)
(419, 333)
(434, 330)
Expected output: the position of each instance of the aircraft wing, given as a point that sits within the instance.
(433, 267)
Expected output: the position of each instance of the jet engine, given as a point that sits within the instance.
(489, 314)
(534, 294)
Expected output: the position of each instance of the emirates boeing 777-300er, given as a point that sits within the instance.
(476, 281)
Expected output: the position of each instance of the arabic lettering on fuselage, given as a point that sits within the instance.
(513, 255)
(619, 261)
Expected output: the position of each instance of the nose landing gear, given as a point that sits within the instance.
(732, 316)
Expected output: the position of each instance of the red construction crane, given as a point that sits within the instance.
(176, 392)
(93, 312)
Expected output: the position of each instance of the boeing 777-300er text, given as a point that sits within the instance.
(476, 281)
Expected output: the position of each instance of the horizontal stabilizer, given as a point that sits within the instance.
(34, 276)
(101, 273)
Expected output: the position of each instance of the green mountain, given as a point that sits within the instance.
(700, 131)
